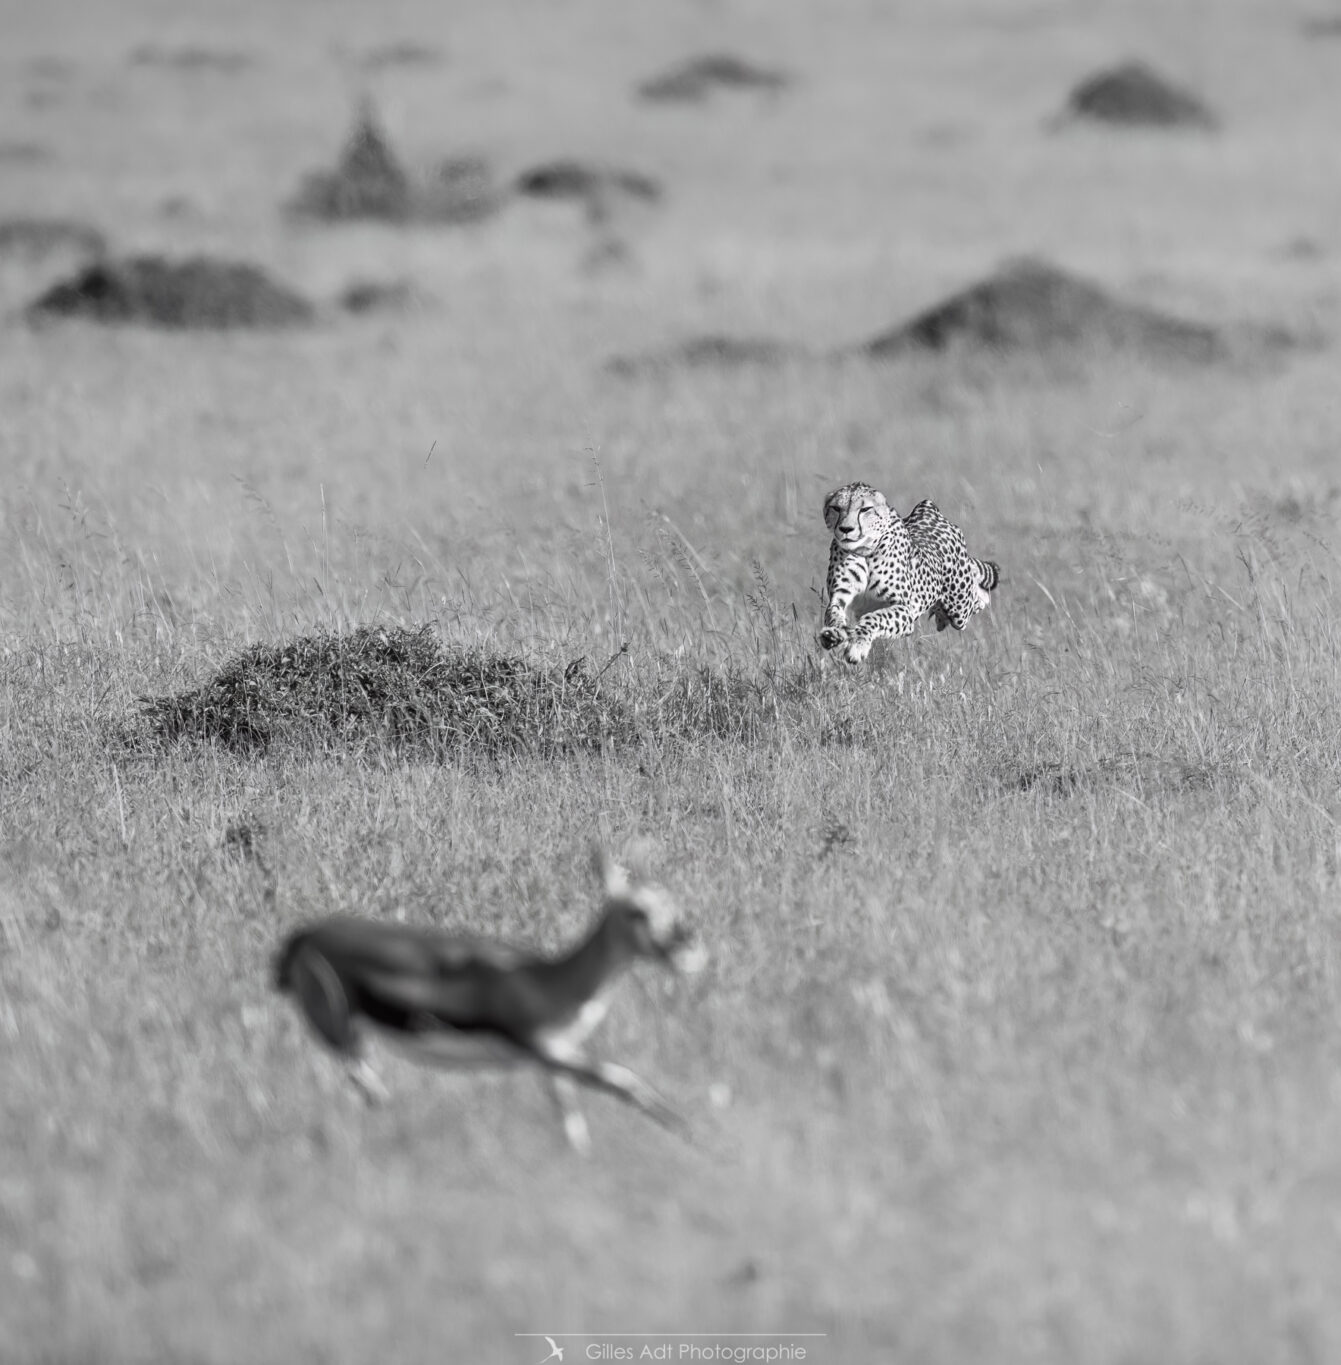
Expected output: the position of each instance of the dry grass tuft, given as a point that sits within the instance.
(1147, 773)
(752, 706)
(200, 292)
(370, 182)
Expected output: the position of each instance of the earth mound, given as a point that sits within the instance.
(370, 182)
(570, 178)
(392, 686)
(1136, 95)
(698, 77)
(1031, 306)
(199, 292)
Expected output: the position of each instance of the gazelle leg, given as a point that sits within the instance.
(564, 1093)
(624, 1084)
(367, 1082)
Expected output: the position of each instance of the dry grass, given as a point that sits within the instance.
(1019, 1037)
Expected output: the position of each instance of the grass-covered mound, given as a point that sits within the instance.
(397, 686)
(403, 688)
(200, 292)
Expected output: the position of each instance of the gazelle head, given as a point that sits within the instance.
(647, 919)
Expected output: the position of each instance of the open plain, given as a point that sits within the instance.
(1020, 1039)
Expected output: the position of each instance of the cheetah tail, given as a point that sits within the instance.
(991, 573)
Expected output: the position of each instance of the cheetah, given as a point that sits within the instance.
(906, 566)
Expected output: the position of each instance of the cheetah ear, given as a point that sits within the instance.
(878, 498)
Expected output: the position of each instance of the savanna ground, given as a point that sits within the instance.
(1020, 1036)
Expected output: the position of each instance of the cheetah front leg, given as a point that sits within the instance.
(848, 575)
(885, 623)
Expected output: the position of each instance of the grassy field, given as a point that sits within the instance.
(1019, 1039)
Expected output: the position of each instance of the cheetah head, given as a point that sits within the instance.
(857, 515)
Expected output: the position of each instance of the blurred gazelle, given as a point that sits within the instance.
(459, 1002)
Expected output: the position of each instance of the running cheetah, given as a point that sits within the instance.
(907, 565)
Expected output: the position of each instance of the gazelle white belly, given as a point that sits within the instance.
(454, 1048)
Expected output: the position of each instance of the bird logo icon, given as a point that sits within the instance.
(555, 1351)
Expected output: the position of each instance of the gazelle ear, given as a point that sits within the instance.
(615, 880)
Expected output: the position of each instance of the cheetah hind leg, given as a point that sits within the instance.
(962, 612)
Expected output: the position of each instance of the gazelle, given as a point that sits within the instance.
(459, 1002)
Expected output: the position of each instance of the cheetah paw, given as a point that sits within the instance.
(856, 650)
(832, 636)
